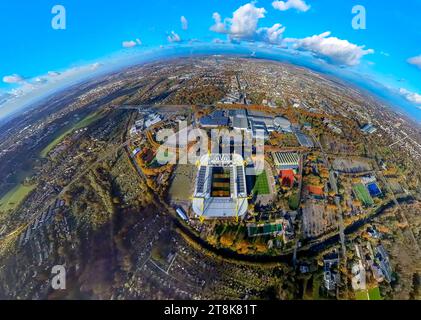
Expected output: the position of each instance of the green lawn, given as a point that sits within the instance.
(15, 196)
(316, 287)
(375, 294)
(361, 295)
(371, 294)
(79, 125)
(261, 186)
(294, 201)
(363, 195)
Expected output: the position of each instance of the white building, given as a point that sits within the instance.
(152, 120)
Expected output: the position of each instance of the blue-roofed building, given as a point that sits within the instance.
(209, 122)
(302, 138)
(369, 128)
(216, 119)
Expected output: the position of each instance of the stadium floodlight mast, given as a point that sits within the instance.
(191, 144)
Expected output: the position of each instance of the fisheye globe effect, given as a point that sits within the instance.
(210, 150)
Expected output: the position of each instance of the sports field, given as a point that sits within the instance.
(363, 195)
(220, 183)
(81, 124)
(182, 185)
(261, 186)
(15, 196)
(370, 294)
(374, 189)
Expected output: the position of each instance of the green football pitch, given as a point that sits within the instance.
(261, 186)
(370, 294)
(363, 195)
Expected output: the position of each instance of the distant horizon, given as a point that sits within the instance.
(48, 45)
(119, 62)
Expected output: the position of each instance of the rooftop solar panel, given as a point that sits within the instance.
(201, 180)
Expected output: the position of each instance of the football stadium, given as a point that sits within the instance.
(220, 190)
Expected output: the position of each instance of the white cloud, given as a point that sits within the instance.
(272, 35)
(242, 25)
(219, 26)
(411, 96)
(131, 43)
(173, 37)
(95, 66)
(416, 61)
(332, 49)
(244, 20)
(40, 80)
(13, 78)
(184, 23)
(53, 73)
(299, 5)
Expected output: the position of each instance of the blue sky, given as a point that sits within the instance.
(95, 32)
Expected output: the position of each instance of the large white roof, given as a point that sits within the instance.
(282, 122)
(214, 207)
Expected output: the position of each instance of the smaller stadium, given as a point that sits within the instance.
(220, 190)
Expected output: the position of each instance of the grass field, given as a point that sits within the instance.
(363, 195)
(15, 196)
(182, 184)
(361, 295)
(371, 294)
(79, 125)
(375, 294)
(261, 186)
(316, 287)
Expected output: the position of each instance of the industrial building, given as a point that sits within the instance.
(282, 125)
(249, 121)
(220, 190)
(216, 119)
(240, 123)
(303, 139)
(153, 119)
(286, 160)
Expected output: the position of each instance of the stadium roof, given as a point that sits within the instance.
(236, 204)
